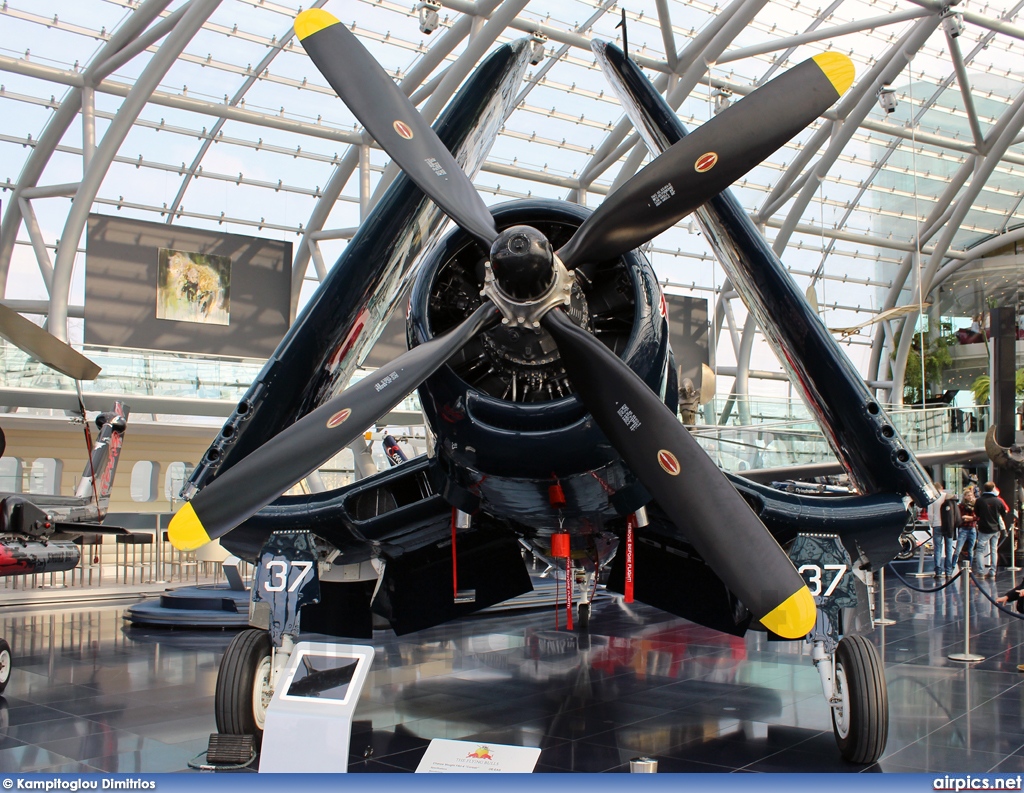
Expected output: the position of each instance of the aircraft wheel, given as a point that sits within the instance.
(244, 685)
(583, 616)
(5, 664)
(860, 720)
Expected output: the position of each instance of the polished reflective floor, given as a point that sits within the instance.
(88, 693)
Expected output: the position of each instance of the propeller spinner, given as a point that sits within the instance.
(529, 284)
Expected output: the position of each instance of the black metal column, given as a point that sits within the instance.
(1004, 365)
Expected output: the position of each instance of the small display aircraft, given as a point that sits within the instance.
(37, 531)
(539, 346)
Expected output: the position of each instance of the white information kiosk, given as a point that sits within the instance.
(309, 719)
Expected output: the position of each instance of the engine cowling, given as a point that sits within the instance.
(508, 427)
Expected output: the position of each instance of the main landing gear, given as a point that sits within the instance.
(860, 705)
(286, 578)
(854, 685)
(851, 671)
(244, 685)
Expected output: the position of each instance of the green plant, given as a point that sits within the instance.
(982, 387)
(937, 357)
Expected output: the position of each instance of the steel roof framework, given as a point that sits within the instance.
(892, 214)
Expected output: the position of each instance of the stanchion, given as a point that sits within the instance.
(1013, 552)
(882, 619)
(966, 656)
(920, 565)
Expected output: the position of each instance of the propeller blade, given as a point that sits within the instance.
(293, 454)
(708, 384)
(686, 483)
(709, 159)
(389, 116)
(50, 350)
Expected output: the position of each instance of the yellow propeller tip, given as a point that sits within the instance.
(309, 22)
(794, 617)
(838, 69)
(185, 531)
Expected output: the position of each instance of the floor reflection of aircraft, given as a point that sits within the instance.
(576, 686)
(541, 354)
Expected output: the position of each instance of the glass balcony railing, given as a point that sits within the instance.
(137, 372)
(782, 433)
(130, 373)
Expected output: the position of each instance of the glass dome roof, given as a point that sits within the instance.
(209, 114)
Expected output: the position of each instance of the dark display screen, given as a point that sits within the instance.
(323, 677)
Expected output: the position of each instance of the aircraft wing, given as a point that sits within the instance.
(856, 426)
(891, 313)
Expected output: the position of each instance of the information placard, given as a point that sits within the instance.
(444, 756)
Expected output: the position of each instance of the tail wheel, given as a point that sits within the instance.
(860, 719)
(5, 664)
(244, 685)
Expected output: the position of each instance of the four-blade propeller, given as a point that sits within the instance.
(662, 454)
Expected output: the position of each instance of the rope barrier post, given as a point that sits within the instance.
(1013, 552)
(882, 619)
(966, 656)
(920, 564)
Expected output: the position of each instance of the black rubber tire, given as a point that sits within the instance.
(233, 699)
(867, 698)
(5, 664)
(583, 616)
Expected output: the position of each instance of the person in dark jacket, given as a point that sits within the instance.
(967, 534)
(944, 535)
(992, 513)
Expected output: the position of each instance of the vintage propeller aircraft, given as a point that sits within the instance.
(539, 346)
(37, 531)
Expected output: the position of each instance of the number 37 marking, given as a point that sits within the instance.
(814, 579)
(278, 572)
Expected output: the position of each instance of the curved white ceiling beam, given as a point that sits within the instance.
(343, 171)
(999, 139)
(133, 27)
(879, 362)
(248, 83)
(190, 22)
(692, 76)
